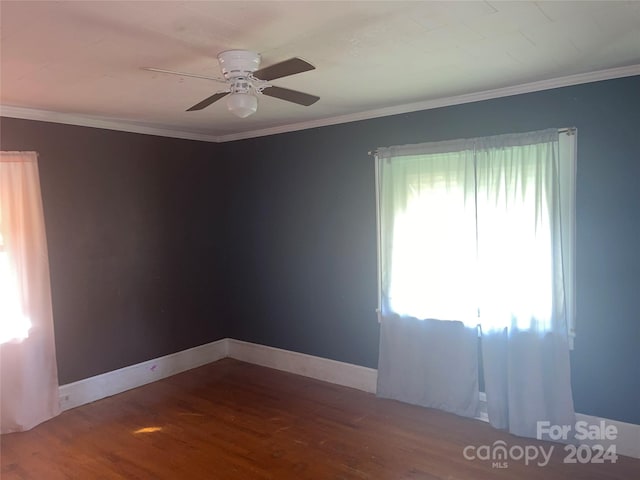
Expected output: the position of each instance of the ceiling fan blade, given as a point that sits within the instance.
(183, 74)
(283, 69)
(291, 95)
(208, 101)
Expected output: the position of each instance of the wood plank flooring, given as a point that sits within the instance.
(231, 420)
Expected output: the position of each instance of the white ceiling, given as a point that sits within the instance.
(84, 58)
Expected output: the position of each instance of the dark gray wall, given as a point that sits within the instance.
(303, 231)
(157, 245)
(134, 227)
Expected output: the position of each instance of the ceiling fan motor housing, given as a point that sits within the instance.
(238, 63)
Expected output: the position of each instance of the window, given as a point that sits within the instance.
(479, 230)
(13, 324)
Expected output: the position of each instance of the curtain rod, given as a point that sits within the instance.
(12, 156)
(568, 131)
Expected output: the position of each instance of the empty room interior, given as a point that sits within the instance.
(320, 240)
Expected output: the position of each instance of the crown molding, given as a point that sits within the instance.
(125, 126)
(531, 87)
(97, 122)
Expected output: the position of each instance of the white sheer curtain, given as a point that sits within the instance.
(518, 241)
(427, 245)
(28, 370)
(522, 293)
(470, 230)
(428, 236)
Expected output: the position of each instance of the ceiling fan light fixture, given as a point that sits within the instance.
(242, 104)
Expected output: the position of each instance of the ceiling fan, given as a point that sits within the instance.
(245, 80)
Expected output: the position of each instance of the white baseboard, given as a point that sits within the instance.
(94, 388)
(91, 389)
(340, 373)
(111, 383)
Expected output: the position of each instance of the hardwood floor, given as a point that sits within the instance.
(231, 420)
